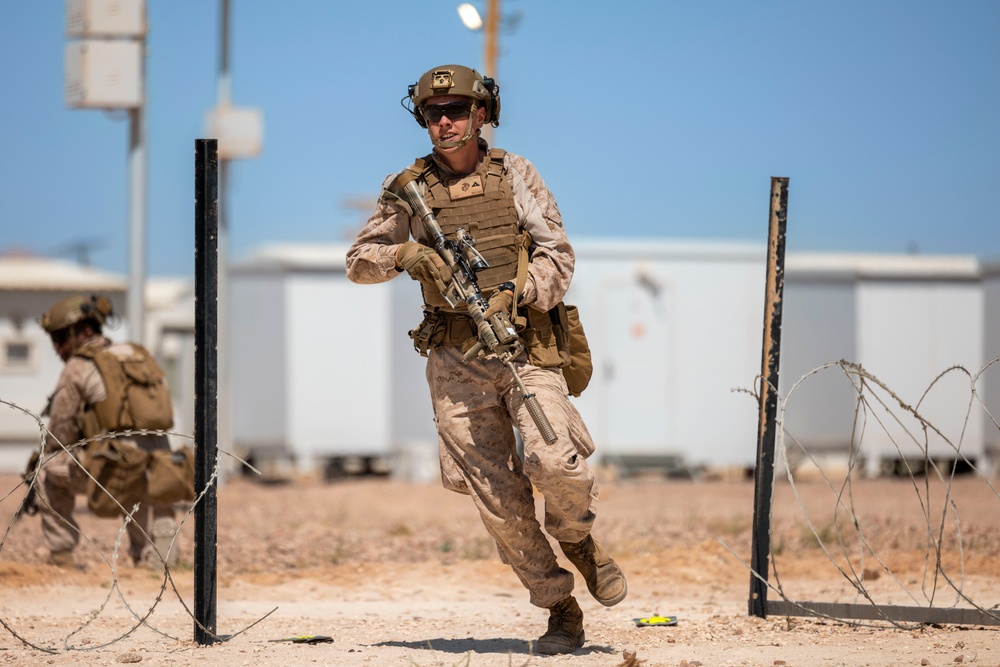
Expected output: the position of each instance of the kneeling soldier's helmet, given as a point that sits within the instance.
(74, 309)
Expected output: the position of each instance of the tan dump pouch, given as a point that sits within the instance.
(581, 366)
(120, 473)
(171, 476)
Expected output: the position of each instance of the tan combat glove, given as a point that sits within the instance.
(423, 264)
(501, 302)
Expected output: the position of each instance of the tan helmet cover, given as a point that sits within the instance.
(456, 80)
(75, 309)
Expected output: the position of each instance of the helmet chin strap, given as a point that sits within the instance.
(469, 133)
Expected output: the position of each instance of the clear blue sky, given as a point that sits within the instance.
(885, 115)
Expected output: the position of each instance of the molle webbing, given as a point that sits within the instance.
(490, 218)
(440, 327)
(458, 329)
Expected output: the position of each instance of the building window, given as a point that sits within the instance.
(17, 355)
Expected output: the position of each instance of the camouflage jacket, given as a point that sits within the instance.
(79, 384)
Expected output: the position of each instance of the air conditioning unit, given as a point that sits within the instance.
(105, 18)
(104, 74)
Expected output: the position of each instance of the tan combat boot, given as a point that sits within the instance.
(152, 556)
(565, 633)
(604, 578)
(163, 538)
(63, 559)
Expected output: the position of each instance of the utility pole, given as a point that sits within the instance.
(472, 20)
(138, 185)
(239, 132)
(225, 407)
(490, 47)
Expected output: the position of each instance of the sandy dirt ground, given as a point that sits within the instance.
(403, 574)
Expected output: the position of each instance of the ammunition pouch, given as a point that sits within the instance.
(87, 421)
(541, 337)
(442, 328)
(553, 339)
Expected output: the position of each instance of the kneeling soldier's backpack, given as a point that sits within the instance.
(137, 399)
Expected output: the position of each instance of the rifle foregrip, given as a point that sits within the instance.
(472, 353)
(541, 421)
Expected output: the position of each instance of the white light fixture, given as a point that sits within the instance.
(470, 16)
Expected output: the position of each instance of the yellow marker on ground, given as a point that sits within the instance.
(655, 620)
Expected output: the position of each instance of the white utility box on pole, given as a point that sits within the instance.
(240, 131)
(103, 74)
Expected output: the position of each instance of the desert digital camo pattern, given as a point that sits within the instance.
(474, 408)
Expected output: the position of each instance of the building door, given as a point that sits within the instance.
(636, 404)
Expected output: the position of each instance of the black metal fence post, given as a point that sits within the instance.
(206, 330)
(766, 427)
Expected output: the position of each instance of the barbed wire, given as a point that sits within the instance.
(911, 430)
(31, 486)
(876, 406)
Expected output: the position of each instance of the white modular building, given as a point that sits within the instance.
(906, 320)
(324, 369)
(989, 382)
(29, 366)
(675, 333)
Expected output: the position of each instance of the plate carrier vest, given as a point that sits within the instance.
(482, 203)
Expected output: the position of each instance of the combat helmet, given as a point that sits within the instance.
(74, 309)
(454, 80)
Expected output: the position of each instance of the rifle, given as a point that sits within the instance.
(496, 335)
(29, 505)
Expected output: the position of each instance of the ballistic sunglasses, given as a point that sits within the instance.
(453, 110)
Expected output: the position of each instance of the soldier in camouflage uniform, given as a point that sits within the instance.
(75, 327)
(501, 200)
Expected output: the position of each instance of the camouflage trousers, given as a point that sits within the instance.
(63, 479)
(476, 408)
